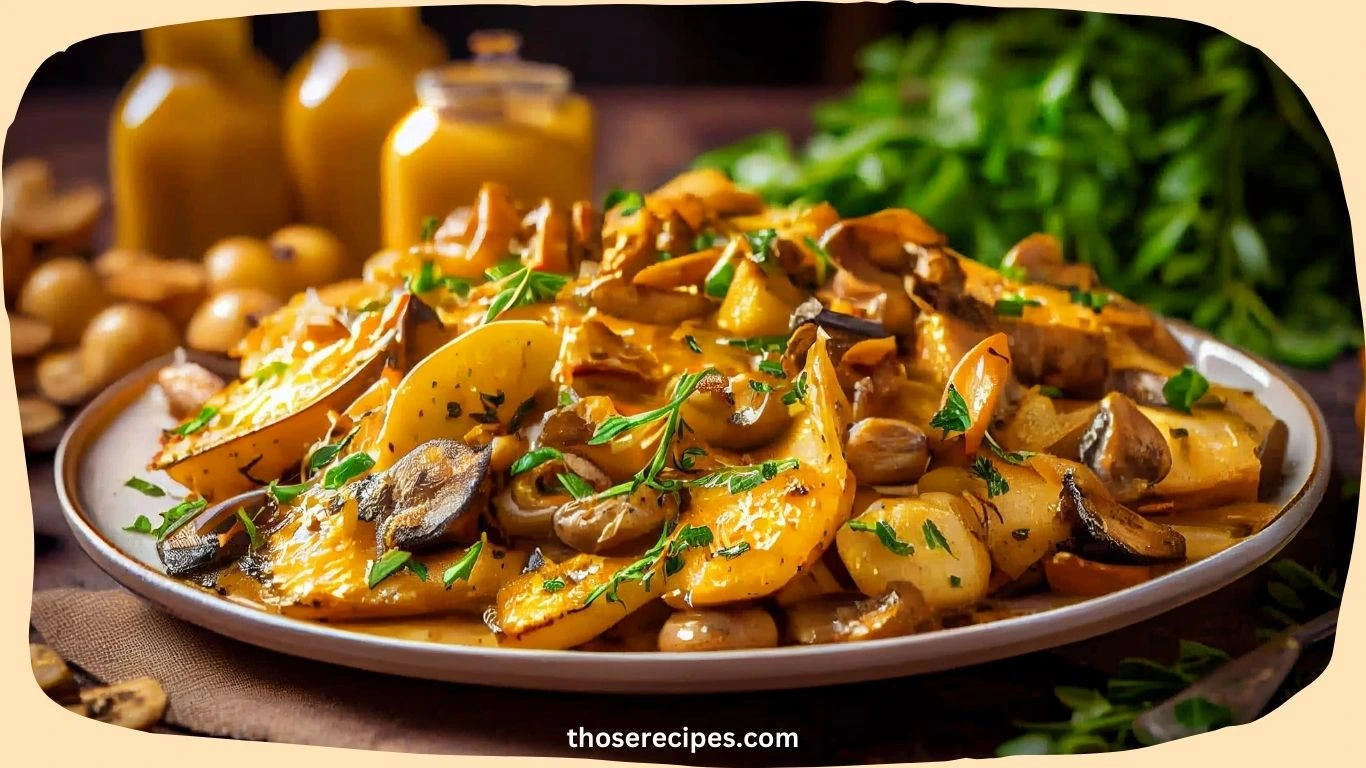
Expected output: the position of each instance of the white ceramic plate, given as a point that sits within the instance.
(113, 438)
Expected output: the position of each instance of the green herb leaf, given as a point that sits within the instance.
(533, 459)
(553, 585)
(1047, 391)
(759, 344)
(762, 388)
(271, 370)
(575, 485)
(140, 525)
(192, 426)
(734, 550)
(144, 487)
(463, 567)
(328, 453)
(1184, 389)
(718, 280)
(352, 466)
(825, 265)
(955, 582)
(1091, 300)
(1200, 715)
(630, 202)
(885, 534)
(285, 494)
(797, 394)
(253, 535)
(1020, 534)
(430, 224)
(692, 344)
(761, 244)
(1014, 306)
(773, 368)
(178, 515)
(996, 484)
(687, 459)
(387, 565)
(934, 538)
(953, 417)
(740, 479)
(522, 288)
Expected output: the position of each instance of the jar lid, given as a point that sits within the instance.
(494, 74)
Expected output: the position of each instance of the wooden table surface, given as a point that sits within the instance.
(645, 136)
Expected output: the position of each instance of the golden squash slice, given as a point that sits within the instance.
(788, 521)
(479, 378)
(319, 564)
(260, 426)
(550, 607)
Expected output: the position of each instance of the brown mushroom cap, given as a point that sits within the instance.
(1124, 448)
(1106, 531)
(430, 498)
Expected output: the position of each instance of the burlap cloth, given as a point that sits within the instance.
(222, 687)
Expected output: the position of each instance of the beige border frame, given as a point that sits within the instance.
(1316, 42)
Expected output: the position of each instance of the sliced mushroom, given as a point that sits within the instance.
(850, 617)
(187, 386)
(1127, 452)
(718, 630)
(1056, 355)
(214, 537)
(53, 675)
(1106, 531)
(886, 451)
(619, 297)
(527, 506)
(598, 525)
(138, 704)
(430, 498)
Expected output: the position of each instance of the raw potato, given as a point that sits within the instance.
(531, 616)
(123, 337)
(246, 262)
(65, 293)
(224, 320)
(138, 704)
(950, 578)
(787, 521)
(27, 336)
(187, 386)
(37, 416)
(312, 256)
(53, 675)
(61, 377)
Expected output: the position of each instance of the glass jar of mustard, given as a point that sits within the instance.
(493, 118)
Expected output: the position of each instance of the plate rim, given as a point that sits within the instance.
(720, 671)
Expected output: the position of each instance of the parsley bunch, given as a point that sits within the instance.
(1179, 162)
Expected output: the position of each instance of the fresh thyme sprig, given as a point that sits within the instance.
(523, 287)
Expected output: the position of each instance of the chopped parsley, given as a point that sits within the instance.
(761, 387)
(1185, 388)
(1014, 306)
(271, 370)
(692, 344)
(630, 202)
(734, 550)
(192, 426)
(141, 525)
(284, 494)
(718, 280)
(744, 478)
(761, 244)
(824, 264)
(352, 466)
(934, 538)
(687, 459)
(430, 224)
(758, 344)
(328, 453)
(143, 487)
(773, 368)
(553, 585)
(464, 567)
(886, 534)
(253, 534)
(797, 394)
(1020, 534)
(1089, 299)
(392, 562)
(522, 288)
(953, 417)
(996, 484)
